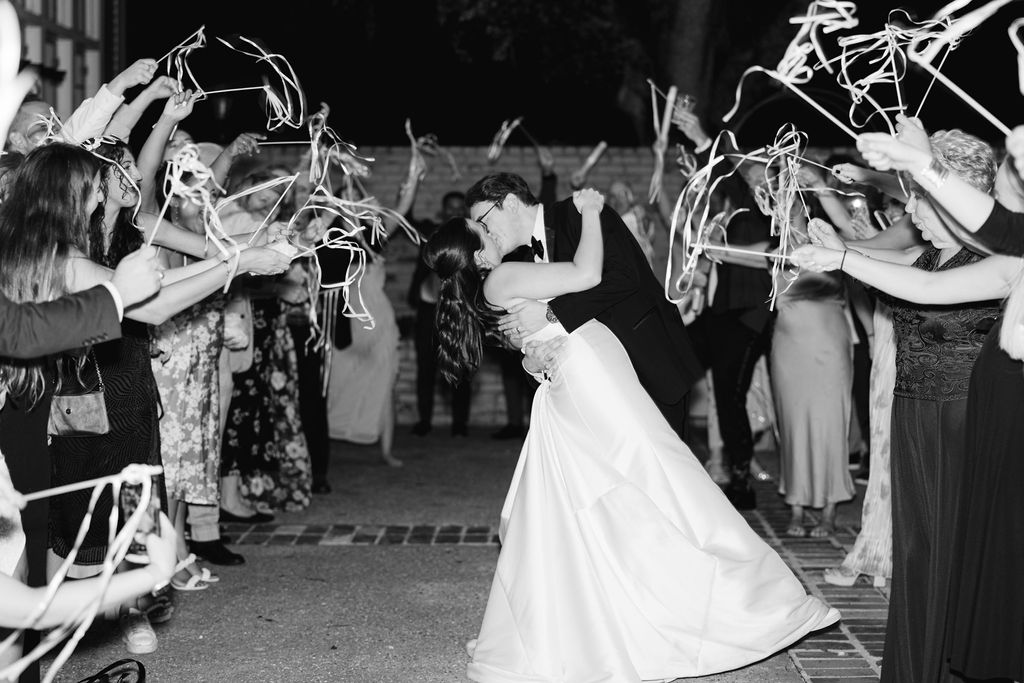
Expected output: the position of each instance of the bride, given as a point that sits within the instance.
(621, 560)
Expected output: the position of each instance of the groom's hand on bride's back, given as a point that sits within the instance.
(522, 320)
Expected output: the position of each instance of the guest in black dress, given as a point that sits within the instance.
(986, 600)
(131, 398)
(936, 350)
(986, 616)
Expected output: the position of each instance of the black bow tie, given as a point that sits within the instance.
(538, 247)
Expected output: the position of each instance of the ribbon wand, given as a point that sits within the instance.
(661, 145)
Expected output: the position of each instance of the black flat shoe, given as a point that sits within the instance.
(215, 552)
(257, 518)
(321, 487)
(421, 429)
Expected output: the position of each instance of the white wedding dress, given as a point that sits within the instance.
(621, 560)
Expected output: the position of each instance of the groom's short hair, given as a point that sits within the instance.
(496, 186)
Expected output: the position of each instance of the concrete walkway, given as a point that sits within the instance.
(386, 578)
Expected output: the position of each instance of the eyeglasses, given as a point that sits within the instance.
(482, 217)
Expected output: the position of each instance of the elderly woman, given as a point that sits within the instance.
(986, 601)
(938, 342)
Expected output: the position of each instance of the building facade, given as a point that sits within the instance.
(74, 45)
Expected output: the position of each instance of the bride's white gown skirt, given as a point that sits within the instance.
(621, 559)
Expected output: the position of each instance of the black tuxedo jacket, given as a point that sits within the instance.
(741, 289)
(629, 301)
(30, 330)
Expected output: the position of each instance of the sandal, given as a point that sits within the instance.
(195, 582)
(137, 633)
(841, 576)
(161, 610)
(206, 575)
(796, 531)
(823, 530)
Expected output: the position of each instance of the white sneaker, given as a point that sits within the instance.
(137, 633)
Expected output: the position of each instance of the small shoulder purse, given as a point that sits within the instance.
(80, 414)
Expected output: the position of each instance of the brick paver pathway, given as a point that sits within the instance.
(849, 652)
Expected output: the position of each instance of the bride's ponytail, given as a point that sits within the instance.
(463, 317)
(459, 329)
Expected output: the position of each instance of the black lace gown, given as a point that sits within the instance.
(936, 348)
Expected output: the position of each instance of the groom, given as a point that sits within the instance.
(629, 300)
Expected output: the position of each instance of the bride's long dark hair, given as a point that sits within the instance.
(463, 319)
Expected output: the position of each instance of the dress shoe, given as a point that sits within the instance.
(255, 518)
(459, 430)
(215, 552)
(421, 429)
(321, 487)
(510, 432)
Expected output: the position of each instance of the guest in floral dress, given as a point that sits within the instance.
(185, 369)
(264, 441)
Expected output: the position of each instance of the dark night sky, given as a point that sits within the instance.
(378, 61)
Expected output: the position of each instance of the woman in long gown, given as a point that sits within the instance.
(936, 347)
(811, 363)
(812, 380)
(264, 442)
(621, 559)
(986, 601)
(360, 398)
(872, 551)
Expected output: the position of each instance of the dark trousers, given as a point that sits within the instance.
(730, 349)
(426, 372)
(312, 404)
(518, 386)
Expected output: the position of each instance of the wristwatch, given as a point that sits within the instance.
(550, 316)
